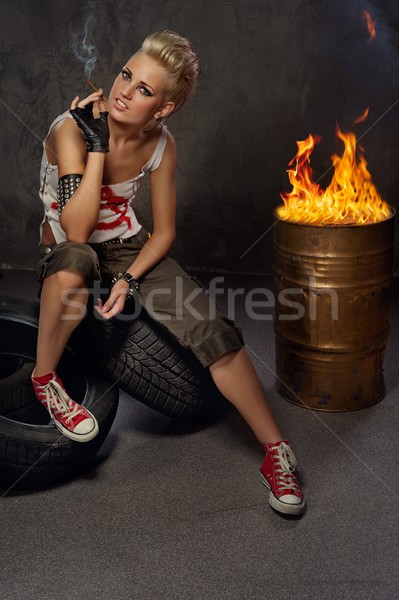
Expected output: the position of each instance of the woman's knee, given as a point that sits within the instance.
(66, 278)
(74, 264)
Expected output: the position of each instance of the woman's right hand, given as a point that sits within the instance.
(95, 131)
(115, 302)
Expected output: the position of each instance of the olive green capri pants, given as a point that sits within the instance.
(169, 295)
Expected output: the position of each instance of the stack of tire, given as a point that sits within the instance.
(136, 355)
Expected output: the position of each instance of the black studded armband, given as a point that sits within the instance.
(130, 280)
(67, 186)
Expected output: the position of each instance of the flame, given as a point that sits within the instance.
(351, 197)
(362, 117)
(370, 24)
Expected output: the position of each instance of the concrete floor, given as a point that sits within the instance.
(174, 511)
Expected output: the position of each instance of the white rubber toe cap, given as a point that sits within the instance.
(85, 426)
(290, 499)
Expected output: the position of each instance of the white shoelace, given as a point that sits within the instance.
(287, 462)
(58, 399)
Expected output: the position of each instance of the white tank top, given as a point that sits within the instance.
(116, 218)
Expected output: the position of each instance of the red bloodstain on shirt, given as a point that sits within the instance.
(118, 205)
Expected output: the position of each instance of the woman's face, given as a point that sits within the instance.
(138, 92)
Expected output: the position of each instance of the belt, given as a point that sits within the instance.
(128, 240)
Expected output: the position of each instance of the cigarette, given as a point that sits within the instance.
(91, 84)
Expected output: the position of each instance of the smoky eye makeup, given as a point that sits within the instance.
(127, 75)
(145, 91)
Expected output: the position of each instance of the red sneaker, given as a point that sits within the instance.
(277, 473)
(72, 419)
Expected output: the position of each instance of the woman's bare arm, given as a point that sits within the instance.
(163, 198)
(79, 216)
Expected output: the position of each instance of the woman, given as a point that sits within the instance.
(91, 169)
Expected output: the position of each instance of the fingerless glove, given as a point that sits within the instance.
(95, 131)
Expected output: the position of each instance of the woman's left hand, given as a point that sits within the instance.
(115, 302)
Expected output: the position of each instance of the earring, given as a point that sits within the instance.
(152, 126)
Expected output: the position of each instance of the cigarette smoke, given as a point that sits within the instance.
(83, 49)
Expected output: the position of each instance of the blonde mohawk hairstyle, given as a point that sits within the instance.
(176, 55)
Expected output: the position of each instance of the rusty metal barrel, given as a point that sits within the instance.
(331, 322)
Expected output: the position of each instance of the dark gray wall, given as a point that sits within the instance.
(273, 71)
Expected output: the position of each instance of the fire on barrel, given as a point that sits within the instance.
(333, 253)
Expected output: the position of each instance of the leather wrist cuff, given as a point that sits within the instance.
(97, 146)
(67, 186)
(130, 280)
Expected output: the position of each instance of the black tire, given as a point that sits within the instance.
(145, 361)
(17, 397)
(32, 450)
